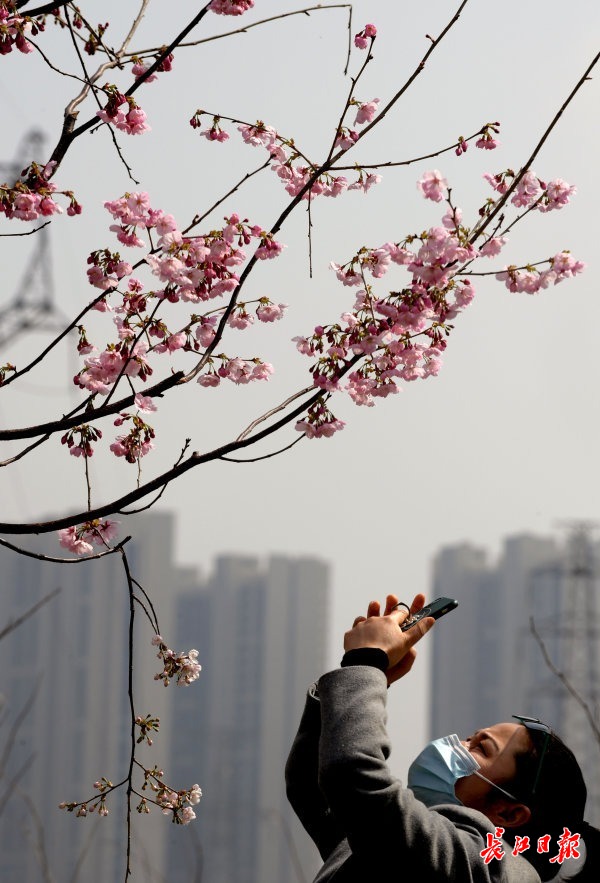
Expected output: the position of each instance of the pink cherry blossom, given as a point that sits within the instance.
(492, 247)
(230, 7)
(365, 182)
(210, 379)
(270, 312)
(361, 40)
(145, 404)
(69, 539)
(433, 186)
(269, 249)
(205, 332)
(366, 112)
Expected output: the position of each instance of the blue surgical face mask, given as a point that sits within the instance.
(434, 773)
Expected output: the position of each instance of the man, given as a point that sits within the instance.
(504, 783)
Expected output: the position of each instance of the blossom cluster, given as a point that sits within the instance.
(189, 269)
(178, 804)
(79, 440)
(32, 196)
(402, 336)
(290, 166)
(83, 809)
(361, 40)
(182, 666)
(13, 28)
(131, 119)
(81, 539)
(230, 7)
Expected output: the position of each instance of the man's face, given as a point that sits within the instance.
(495, 749)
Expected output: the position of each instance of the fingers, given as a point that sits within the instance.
(358, 620)
(416, 632)
(417, 604)
(374, 608)
(391, 601)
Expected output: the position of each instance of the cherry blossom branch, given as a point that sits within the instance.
(405, 162)
(195, 459)
(70, 133)
(562, 677)
(527, 165)
(96, 414)
(15, 623)
(51, 558)
(418, 70)
(95, 94)
(353, 81)
(53, 343)
(314, 177)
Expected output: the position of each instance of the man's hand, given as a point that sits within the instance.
(384, 632)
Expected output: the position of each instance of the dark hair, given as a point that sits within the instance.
(558, 798)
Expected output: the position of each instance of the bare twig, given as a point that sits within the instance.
(15, 623)
(562, 677)
(264, 456)
(40, 842)
(27, 232)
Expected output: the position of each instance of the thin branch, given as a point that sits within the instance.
(41, 557)
(14, 730)
(40, 845)
(199, 218)
(405, 162)
(264, 456)
(39, 358)
(15, 623)
(273, 411)
(27, 232)
(131, 708)
(150, 604)
(256, 24)
(160, 493)
(562, 677)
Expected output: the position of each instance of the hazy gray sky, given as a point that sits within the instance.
(504, 440)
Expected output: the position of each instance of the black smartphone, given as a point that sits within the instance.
(437, 608)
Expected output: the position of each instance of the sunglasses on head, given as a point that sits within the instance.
(533, 723)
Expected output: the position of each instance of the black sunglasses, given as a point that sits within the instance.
(533, 723)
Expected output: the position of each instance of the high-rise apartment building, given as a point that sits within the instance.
(261, 633)
(487, 663)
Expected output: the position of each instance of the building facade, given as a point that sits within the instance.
(262, 640)
(487, 661)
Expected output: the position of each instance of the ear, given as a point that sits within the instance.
(510, 815)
